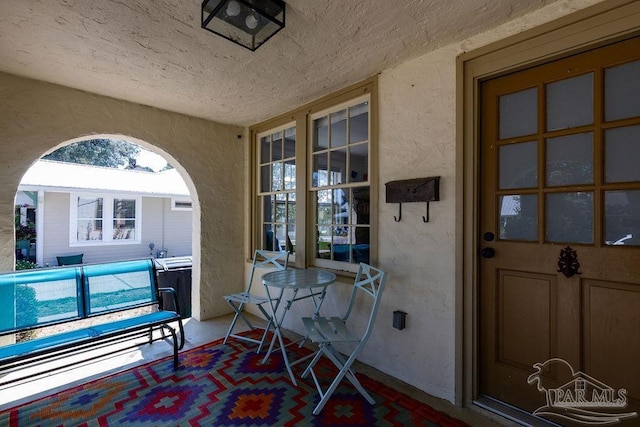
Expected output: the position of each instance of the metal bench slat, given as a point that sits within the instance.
(119, 267)
(149, 319)
(44, 343)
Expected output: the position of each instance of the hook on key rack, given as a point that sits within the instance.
(399, 214)
(413, 190)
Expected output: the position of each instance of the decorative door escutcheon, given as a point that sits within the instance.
(568, 262)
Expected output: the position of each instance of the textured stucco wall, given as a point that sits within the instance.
(417, 138)
(36, 117)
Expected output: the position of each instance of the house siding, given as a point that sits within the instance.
(173, 228)
(166, 228)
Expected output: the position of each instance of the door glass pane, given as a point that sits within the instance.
(570, 160)
(622, 91)
(519, 113)
(570, 102)
(622, 217)
(569, 217)
(519, 217)
(518, 165)
(622, 154)
(359, 123)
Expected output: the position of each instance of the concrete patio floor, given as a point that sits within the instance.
(197, 333)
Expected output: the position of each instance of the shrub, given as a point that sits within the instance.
(26, 303)
(23, 264)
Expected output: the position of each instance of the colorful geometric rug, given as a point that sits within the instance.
(222, 385)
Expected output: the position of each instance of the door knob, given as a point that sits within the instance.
(487, 253)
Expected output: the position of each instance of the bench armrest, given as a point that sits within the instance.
(173, 295)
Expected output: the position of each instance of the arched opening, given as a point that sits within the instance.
(85, 213)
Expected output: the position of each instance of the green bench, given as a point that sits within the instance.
(33, 299)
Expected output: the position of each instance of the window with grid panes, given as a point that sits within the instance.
(313, 178)
(98, 220)
(277, 189)
(339, 149)
(340, 183)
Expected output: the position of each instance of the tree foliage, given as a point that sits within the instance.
(98, 152)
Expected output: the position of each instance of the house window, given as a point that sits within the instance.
(277, 188)
(340, 183)
(313, 182)
(104, 220)
(181, 204)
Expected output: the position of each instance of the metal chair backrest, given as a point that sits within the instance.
(371, 281)
(267, 259)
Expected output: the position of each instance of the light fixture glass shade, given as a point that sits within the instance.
(248, 23)
(251, 22)
(233, 8)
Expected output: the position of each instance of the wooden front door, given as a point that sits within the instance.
(560, 175)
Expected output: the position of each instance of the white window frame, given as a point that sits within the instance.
(107, 220)
(305, 248)
(179, 204)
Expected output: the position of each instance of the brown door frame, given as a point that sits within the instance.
(592, 27)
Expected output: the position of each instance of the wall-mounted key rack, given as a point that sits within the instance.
(413, 190)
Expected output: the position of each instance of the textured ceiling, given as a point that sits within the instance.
(154, 52)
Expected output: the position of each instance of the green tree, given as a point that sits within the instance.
(98, 152)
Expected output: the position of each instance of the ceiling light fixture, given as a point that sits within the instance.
(248, 23)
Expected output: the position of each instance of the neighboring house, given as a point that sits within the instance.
(104, 213)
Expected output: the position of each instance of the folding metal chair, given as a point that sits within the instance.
(261, 259)
(327, 331)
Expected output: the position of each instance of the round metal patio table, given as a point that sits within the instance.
(314, 281)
